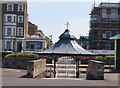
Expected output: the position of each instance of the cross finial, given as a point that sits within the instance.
(67, 24)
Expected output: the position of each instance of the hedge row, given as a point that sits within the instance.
(21, 55)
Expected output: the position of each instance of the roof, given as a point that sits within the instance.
(95, 11)
(115, 37)
(67, 35)
(13, 1)
(66, 45)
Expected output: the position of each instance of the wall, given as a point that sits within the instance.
(36, 68)
(95, 70)
(32, 28)
(17, 63)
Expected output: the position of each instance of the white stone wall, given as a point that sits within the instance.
(36, 67)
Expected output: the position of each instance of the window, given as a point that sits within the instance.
(103, 36)
(20, 19)
(8, 45)
(14, 18)
(14, 31)
(9, 31)
(108, 11)
(9, 18)
(108, 25)
(20, 31)
(9, 7)
(98, 44)
(108, 34)
(108, 20)
(119, 13)
(20, 7)
(107, 45)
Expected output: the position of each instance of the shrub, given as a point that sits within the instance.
(101, 57)
(21, 55)
(110, 57)
(5, 53)
(105, 57)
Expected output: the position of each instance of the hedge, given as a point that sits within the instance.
(21, 55)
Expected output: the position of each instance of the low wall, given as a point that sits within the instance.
(95, 70)
(36, 68)
(106, 62)
(16, 63)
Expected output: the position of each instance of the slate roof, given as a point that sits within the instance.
(66, 45)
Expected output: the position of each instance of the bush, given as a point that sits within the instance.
(105, 57)
(101, 57)
(5, 53)
(21, 55)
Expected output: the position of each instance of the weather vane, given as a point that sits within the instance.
(67, 24)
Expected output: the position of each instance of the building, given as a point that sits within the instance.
(0, 20)
(14, 24)
(32, 28)
(15, 31)
(83, 41)
(1, 27)
(35, 43)
(104, 23)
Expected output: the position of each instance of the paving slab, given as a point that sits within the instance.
(11, 77)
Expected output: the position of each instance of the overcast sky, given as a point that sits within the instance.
(51, 15)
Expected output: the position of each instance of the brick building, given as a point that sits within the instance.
(32, 28)
(104, 23)
(14, 25)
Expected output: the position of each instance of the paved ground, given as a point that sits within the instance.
(11, 77)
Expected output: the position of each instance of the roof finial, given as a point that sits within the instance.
(67, 24)
(94, 3)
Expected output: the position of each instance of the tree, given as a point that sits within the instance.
(49, 42)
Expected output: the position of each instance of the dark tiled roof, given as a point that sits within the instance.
(67, 45)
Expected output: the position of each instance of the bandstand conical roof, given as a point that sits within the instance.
(66, 45)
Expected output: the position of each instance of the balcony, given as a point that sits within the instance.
(9, 23)
(11, 36)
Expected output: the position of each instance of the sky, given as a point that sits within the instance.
(52, 15)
